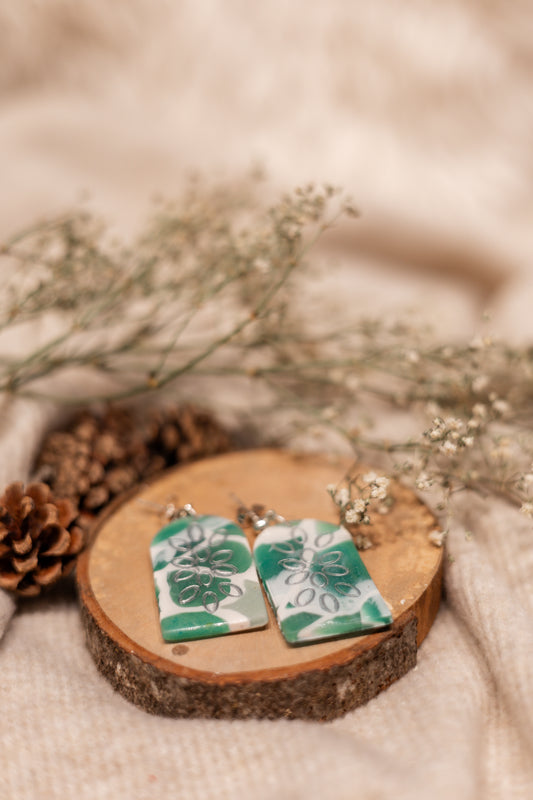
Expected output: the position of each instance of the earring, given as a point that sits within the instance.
(314, 577)
(205, 580)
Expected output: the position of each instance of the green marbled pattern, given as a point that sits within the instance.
(317, 583)
(205, 580)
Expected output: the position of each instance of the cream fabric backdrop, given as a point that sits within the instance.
(425, 113)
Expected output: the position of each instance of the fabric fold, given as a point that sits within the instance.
(7, 609)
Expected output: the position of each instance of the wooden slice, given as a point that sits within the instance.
(253, 674)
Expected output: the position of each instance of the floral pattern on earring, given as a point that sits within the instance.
(316, 582)
(205, 580)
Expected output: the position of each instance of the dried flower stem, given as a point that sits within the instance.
(209, 290)
(188, 263)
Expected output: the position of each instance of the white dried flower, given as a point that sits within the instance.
(454, 423)
(370, 477)
(362, 542)
(501, 407)
(351, 517)
(423, 482)
(448, 448)
(292, 231)
(379, 488)
(527, 509)
(356, 512)
(437, 537)
(479, 410)
(479, 384)
(468, 441)
(262, 265)
(438, 430)
(342, 498)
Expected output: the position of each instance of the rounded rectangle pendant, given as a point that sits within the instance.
(317, 583)
(205, 580)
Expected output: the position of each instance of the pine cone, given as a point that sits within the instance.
(81, 463)
(183, 433)
(100, 456)
(40, 537)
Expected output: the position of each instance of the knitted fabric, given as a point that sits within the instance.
(423, 112)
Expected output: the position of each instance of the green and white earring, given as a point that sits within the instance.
(205, 580)
(314, 578)
(206, 583)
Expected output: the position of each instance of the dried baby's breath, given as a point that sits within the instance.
(356, 497)
(209, 289)
(204, 287)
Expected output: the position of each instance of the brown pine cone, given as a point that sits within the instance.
(94, 459)
(182, 433)
(102, 455)
(40, 537)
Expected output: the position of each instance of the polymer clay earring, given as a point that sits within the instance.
(314, 578)
(205, 579)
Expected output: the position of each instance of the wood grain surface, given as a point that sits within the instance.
(253, 673)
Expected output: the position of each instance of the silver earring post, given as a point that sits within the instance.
(257, 516)
(170, 510)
